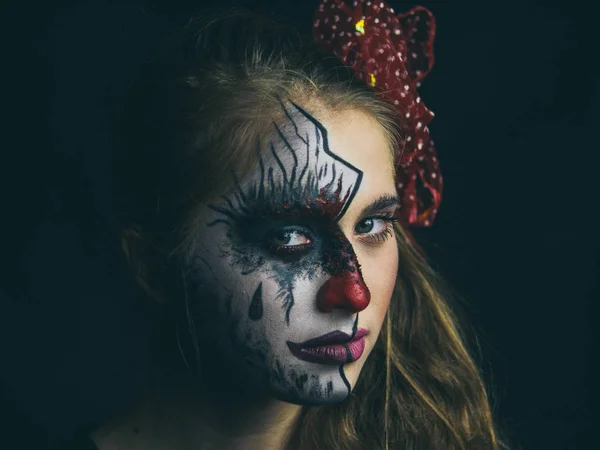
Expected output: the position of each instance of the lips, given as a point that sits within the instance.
(332, 348)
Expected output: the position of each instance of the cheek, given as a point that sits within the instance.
(380, 270)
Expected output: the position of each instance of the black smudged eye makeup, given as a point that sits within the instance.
(289, 240)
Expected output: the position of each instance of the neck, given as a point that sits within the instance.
(188, 418)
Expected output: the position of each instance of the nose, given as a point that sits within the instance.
(344, 291)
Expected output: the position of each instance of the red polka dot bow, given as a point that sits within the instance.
(392, 53)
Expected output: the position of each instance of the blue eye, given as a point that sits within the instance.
(374, 230)
(290, 238)
(373, 225)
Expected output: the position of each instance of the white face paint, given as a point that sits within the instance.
(274, 269)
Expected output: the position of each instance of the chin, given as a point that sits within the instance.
(312, 400)
(315, 384)
(353, 370)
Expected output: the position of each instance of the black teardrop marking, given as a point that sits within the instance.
(256, 306)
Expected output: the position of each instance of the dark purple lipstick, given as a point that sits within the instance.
(332, 348)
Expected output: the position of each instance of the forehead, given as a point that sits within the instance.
(359, 139)
(332, 162)
(353, 137)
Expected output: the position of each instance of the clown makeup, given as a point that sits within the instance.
(296, 264)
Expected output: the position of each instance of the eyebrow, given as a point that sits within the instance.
(383, 203)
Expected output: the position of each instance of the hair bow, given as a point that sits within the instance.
(392, 53)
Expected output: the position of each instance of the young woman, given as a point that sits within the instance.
(264, 190)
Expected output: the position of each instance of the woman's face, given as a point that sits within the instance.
(295, 265)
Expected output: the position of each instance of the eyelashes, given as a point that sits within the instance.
(383, 233)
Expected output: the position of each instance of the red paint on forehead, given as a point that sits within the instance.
(331, 203)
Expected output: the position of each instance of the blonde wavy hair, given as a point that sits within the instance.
(196, 113)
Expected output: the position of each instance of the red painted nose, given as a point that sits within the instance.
(345, 291)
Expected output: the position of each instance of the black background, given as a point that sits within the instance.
(517, 101)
